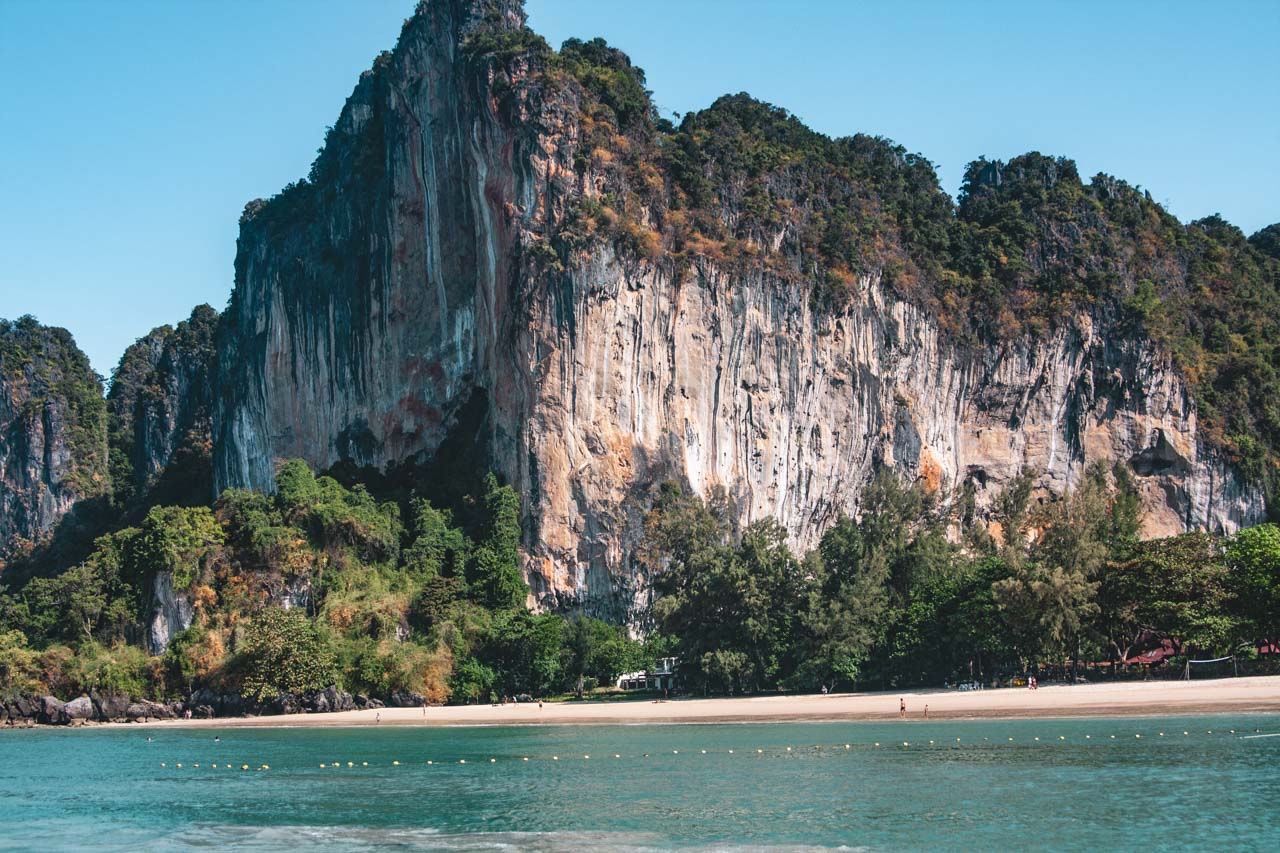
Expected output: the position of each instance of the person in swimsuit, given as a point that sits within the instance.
(902, 709)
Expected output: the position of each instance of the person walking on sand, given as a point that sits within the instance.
(926, 712)
(902, 709)
(378, 717)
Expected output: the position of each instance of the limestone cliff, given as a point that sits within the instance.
(638, 304)
(159, 413)
(52, 432)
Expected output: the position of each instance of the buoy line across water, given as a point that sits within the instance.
(760, 752)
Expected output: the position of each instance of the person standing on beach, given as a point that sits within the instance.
(902, 709)
(926, 712)
(378, 717)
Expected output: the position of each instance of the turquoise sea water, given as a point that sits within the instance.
(106, 789)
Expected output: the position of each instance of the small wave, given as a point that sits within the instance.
(356, 838)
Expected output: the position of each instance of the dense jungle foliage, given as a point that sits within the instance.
(387, 597)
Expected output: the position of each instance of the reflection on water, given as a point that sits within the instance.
(1057, 784)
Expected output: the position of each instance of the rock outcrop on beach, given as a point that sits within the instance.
(488, 221)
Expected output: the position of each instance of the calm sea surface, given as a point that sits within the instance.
(106, 789)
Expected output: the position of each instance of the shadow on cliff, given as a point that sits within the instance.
(68, 543)
(450, 479)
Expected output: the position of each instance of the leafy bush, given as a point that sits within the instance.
(283, 652)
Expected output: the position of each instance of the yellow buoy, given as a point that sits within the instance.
(526, 758)
(162, 764)
(321, 765)
(615, 755)
(555, 758)
(731, 752)
(395, 764)
(877, 743)
(1062, 737)
(462, 761)
(179, 766)
(266, 767)
(704, 752)
(1037, 738)
(351, 764)
(493, 761)
(366, 764)
(429, 762)
(244, 766)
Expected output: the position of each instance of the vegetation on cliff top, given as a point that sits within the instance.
(748, 186)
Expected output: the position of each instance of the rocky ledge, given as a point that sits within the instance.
(27, 711)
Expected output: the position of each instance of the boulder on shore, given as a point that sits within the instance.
(50, 711)
(78, 710)
(110, 706)
(143, 710)
(407, 699)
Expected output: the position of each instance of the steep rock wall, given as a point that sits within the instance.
(160, 412)
(52, 431)
(372, 299)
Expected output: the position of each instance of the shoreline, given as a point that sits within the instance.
(1250, 695)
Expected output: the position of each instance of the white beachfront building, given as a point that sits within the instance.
(661, 677)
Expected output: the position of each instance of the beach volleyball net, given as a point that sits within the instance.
(1212, 668)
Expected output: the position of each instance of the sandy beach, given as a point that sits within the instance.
(1233, 695)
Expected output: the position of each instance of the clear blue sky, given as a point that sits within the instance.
(134, 132)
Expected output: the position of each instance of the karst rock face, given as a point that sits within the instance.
(373, 301)
(159, 409)
(53, 451)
